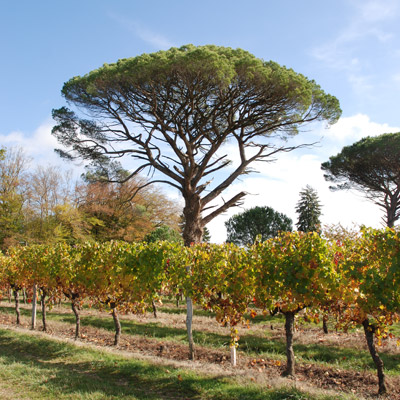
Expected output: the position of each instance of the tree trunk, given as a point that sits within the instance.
(34, 306)
(369, 335)
(9, 295)
(325, 323)
(75, 309)
(289, 329)
(391, 211)
(117, 325)
(193, 229)
(24, 295)
(17, 310)
(153, 304)
(179, 297)
(192, 234)
(43, 303)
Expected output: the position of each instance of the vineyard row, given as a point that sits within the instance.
(355, 278)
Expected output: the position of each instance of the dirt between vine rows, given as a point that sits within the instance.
(264, 371)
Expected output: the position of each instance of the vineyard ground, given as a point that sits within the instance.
(333, 366)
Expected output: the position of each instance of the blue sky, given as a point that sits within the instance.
(350, 47)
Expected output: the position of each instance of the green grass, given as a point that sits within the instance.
(180, 310)
(197, 311)
(249, 344)
(33, 367)
(395, 329)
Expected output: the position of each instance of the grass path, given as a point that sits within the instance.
(36, 367)
(330, 361)
(260, 342)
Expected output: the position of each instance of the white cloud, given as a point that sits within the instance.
(343, 53)
(155, 39)
(39, 146)
(328, 141)
(396, 78)
(369, 21)
(362, 84)
(278, 184)
(377, 10)
(40, 141)
(350, 129)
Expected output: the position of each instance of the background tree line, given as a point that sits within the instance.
(46, 205)
(261, 223)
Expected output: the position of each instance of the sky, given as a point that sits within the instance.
(351, 48)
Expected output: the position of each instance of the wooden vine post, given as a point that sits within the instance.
(17, 310)
(34, 307)
(189, 321)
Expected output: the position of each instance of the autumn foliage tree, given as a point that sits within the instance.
(114, 211)
(13, 196)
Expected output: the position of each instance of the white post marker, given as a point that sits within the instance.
(234, 345)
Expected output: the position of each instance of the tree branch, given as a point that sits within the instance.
(233, 202)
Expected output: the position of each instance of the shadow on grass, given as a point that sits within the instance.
(197, 312)
(251, 345)
(72, 372)
(258, 319)
(343, 357)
